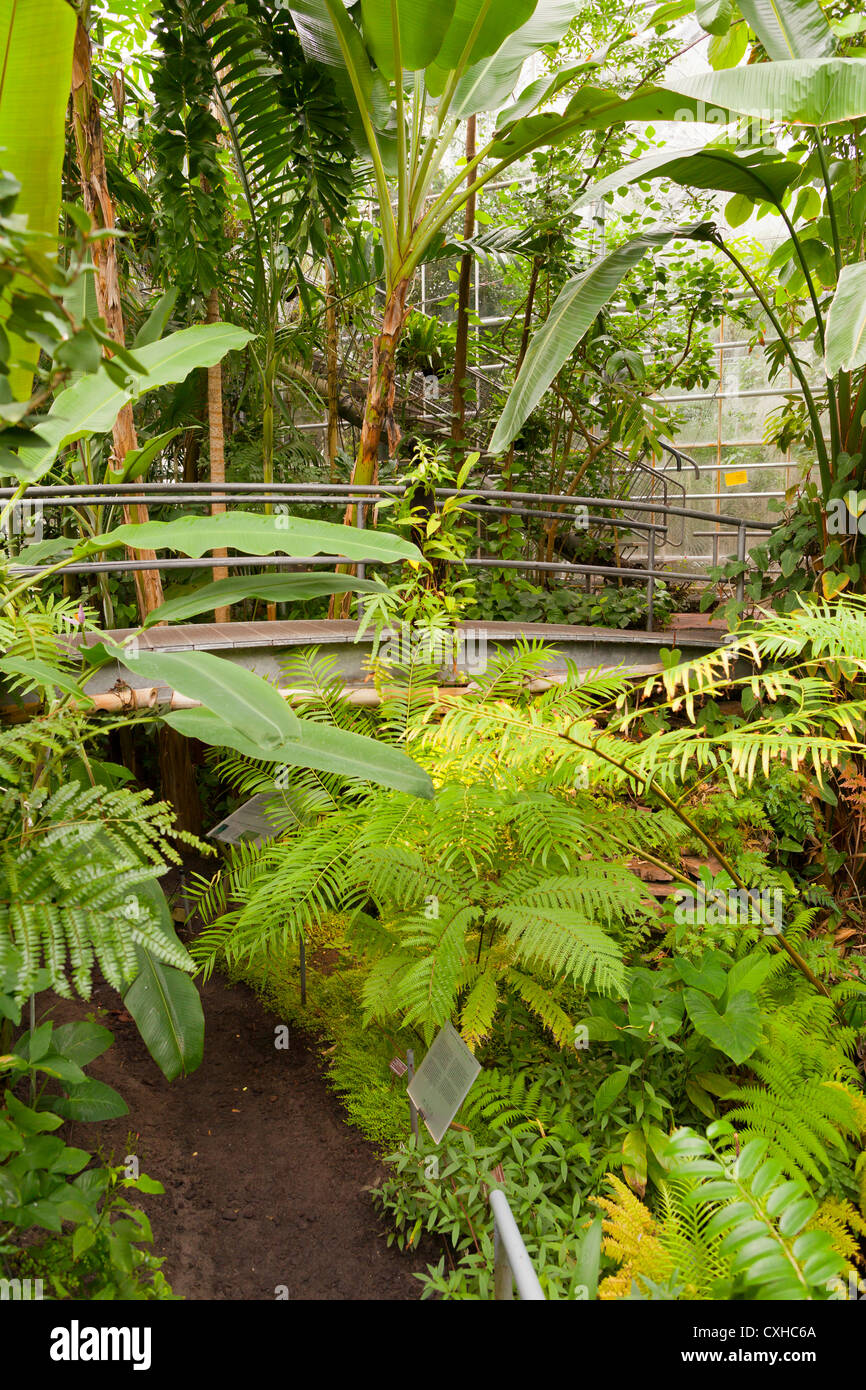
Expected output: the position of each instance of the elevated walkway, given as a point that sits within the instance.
(264, 647)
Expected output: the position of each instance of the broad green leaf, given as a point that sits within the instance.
(165, 1002)
(39, 551)
(421, 26)
(789, 28)
(736, 1032)
(634, 1160)
(319, 746)
(759, 174)
(707, 974)
(538, 93)
(738, 210)
(594, 108)
(489, 83)
(478, 29)
(275, 588)
(137, 461)
(36, 43)
(254, 534)
(83, 1041)
(90, 1102)
(240, 697)
(726, 50)
(609, 1089)
(578, 305)
(805, 91)
(846, 322)
(157, 320)
(714, 16)
(588, 1260)
(92, 405)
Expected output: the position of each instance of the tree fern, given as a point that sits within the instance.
(480, 884)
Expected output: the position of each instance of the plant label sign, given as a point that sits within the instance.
(249, 822)
(442, 1081)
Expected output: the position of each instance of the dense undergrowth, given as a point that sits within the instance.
(639, 914)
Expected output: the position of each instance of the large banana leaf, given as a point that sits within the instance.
(789, 28)
(36, 42)
(805, 91)
(421, 25)
(242, 699)
(319, 746)
(274, 588)
(577, 306)
(592, 108)
(809, 92)
(253, 534)
(478, 29)
(758, 174)
(489, 83)
(846, 322)
(165, 1002)
(92, 405)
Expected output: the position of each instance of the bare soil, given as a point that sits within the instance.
(265, 1182)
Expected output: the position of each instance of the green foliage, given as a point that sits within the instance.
(94, 1247)
(75, 862)
(478, 891)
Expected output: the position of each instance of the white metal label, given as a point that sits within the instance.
(249, 822)
(442, 1081)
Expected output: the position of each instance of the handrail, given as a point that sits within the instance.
(363, 496)
(511, 1262)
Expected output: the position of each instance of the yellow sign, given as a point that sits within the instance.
(734, 479)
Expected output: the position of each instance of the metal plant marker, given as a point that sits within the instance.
(442, 1081)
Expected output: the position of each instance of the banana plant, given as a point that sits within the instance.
(36, 42)
(409, 71)
(814, 94)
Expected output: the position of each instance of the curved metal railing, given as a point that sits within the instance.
(599, 512)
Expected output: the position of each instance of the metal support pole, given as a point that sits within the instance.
(413, 1113)
(303, 956)
(650, 583)
(503, 1281)
(511, 1262)
(741, 555)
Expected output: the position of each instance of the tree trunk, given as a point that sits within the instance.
(177, 777)
(90, 150)
(331, 352)
(269, 386)
(458, 394)
(378, 411)
(216, 434)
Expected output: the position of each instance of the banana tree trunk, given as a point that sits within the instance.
(216, 435)
(379, 409)
(90, 150)
(461, 349)
(269, 387)
(331, 357)
(378, 413)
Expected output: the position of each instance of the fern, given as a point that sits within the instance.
(72, 862)
(481, 892)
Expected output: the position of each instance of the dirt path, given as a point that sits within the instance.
(265, 1182)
